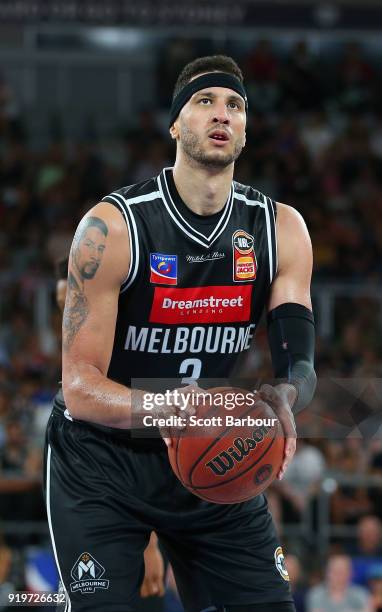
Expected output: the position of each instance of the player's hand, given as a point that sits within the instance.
(280, 398)
(153, 582)
(184, 405)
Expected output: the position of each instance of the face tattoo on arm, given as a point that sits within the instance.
(89, 244)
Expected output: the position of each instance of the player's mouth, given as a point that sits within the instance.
(219, 136)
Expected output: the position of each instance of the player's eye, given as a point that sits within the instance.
(234, 105)
(205, 101)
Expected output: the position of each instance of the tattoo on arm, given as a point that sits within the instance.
(75, 313)
(86, 256)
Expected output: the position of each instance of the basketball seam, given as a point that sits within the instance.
(219, 484)
(182, 479)
(211, 446)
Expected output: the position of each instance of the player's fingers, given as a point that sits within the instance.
(270, 395)
(189, 411)
(144, 589)
(161, 588)
(281, 408)
(168, 442)
(289, 450)
(153, 587)
(286, 418)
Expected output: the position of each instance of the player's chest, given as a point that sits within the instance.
(236, 256)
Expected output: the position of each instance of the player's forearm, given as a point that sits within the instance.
(91, 396)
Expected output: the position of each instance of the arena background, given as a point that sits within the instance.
(84, 93)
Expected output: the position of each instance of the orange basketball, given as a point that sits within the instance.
(233, 458)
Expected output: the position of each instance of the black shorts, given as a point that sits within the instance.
(105, 495)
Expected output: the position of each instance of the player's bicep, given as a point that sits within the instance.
(98, 263)
(295, 260)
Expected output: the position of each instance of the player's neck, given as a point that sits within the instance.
(204, 191)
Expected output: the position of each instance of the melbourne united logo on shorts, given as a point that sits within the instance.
(163, 269)
(87, 575)
(280, 563)
(244, 256)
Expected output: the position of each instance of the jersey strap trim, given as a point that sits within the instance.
(124, 205)
(270, 222)
(183, 224)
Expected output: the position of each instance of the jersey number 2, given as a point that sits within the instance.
(191, 367)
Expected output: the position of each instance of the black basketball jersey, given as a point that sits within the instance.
(196, 285)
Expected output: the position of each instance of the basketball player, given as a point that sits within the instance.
(153, 581)
(140, 263)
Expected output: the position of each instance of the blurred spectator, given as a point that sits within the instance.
(354, 76)
(336, 594)
(317, 134)
(301, 84)
(11, 573)
(367, 551)
(261, 68)
(293, 566)
(375, 585)
(300, 480)
(20, 476)
(349, 502)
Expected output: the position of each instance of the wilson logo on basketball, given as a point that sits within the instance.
(244, 257)
(241, 448)
(201, 305)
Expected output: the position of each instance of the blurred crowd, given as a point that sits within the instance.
(315, 142)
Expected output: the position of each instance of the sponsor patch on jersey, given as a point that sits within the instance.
(221, 304)
(87, 574)
(280, 563)
(163, 269)
(244, 256)
(205, 257)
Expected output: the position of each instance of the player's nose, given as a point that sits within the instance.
(221, 114)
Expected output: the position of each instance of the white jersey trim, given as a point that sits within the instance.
(68, 604)
(264, 205)
(276, 263)
(125, 206)
(184, 225)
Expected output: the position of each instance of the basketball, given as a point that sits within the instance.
(227, 456)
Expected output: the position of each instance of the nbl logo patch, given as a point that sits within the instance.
(244, 257)
(87, 575)
(280, 563)
(163, 269)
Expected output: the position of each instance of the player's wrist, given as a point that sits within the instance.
(288, 392)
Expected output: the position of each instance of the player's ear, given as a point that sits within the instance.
(174, 130)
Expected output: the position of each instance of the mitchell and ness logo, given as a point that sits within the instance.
(217, 304)
(163, 269)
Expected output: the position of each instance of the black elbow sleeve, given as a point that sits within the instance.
(291, 335)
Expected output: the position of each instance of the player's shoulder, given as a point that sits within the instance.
(138, 193)
(251, 196)
(290, 217)
(250, 193)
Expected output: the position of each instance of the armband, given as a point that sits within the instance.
(291, 335)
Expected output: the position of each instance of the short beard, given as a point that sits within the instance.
(89, 275)
(191, 146)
